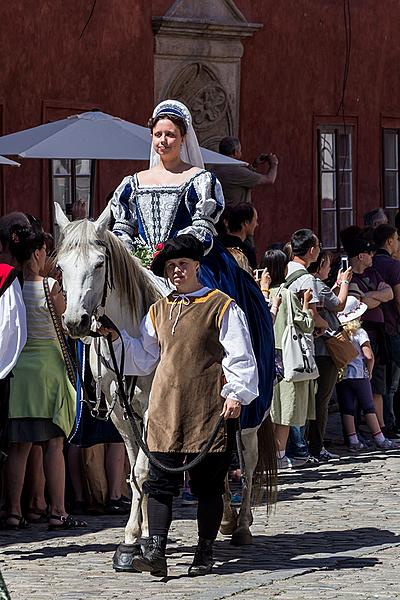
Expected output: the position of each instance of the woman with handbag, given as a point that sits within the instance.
(330, 302)
(293, 402)
(42, 403)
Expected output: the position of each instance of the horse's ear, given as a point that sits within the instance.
(104, 219)
(59, 217)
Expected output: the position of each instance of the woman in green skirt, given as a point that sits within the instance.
(42, 400)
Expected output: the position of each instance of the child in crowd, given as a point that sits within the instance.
(354, 390)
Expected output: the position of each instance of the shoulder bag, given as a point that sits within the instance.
(297, 351)
(59, 332)
(340, 348)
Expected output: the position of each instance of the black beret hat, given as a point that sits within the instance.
(358, 246)
(183, 246)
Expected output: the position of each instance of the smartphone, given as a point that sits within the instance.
(345, 263)
(257, 274)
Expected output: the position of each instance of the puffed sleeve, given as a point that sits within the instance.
(239, 363)
(124, 211)
(12, 327)
(205, 202)
(141, 354)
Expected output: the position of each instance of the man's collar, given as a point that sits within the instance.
(383, 252)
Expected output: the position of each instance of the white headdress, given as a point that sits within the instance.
(190, 151)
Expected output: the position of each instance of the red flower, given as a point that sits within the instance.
(159, 248)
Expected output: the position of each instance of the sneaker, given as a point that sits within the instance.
(326, 456)
(304, 461)
(188, 499)
(284, 463)
(387, 445)
(357, 447)
(236, 500)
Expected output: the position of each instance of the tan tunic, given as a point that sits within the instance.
(186, 400)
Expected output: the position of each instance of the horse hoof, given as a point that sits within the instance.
(123, 557)
(227, 528)
(241, 537)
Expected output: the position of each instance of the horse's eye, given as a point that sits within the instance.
(99, 265)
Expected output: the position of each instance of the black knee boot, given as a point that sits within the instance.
(203, 558)
(153, 559)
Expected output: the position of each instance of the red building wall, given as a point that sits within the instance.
(292, 77)
(292, 73)
(48, 71)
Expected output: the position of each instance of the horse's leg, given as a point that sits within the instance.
(230, 515)
(242, 535)
(141, 473)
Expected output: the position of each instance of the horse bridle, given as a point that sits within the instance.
(122, 396)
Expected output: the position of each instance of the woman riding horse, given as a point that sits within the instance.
(196, 338)
(177, 195)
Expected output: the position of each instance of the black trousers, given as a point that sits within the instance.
(207, 482)
(326, 382)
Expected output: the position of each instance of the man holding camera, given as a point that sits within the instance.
(238, 180)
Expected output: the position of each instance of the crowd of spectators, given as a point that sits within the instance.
(315, 291)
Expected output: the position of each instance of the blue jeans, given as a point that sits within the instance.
(297, 445)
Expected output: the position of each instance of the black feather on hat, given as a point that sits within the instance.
(183, 246)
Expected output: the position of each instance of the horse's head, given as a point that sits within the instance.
(83, 260)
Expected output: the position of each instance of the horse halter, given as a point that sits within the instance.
(108, 277)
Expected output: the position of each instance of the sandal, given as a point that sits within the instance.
(68, 522)
(41, 516)
(21, 523)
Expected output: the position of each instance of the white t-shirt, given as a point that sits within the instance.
(357, 369)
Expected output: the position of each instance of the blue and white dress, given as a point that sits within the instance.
(148, 215)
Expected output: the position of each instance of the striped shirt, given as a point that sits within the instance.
(39, 323)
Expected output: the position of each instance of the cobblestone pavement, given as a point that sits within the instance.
(333, 534)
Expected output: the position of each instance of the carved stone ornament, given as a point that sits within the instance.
(198, 49)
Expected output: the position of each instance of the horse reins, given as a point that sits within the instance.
(125, 402)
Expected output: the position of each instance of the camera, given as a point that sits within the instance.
(345, 263)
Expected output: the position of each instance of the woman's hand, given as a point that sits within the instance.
(265, 280)
(231, 409)
(345, 275)
(307, 297)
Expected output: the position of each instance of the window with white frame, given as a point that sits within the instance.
(390, 155)
(335, 183)
(70, 182)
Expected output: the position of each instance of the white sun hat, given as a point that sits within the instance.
(354, 309)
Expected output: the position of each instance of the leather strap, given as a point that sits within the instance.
(59, 332)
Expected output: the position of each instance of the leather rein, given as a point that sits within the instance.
(125, 400)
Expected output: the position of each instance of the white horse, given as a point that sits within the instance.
(91, 259)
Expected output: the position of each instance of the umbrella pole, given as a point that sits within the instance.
(93, 172)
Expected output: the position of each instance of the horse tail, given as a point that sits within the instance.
(265, 474)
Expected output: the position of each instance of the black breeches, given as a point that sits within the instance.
(206, 479)
(207, 482)
(209, 515)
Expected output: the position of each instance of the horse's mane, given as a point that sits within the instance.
(129, 276)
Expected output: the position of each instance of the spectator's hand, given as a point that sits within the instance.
(265, 280)
(345, 275)
(79, 210)
(231, 409)
(383, 286)
(277, 301)
(272, 159)
(307, 297)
